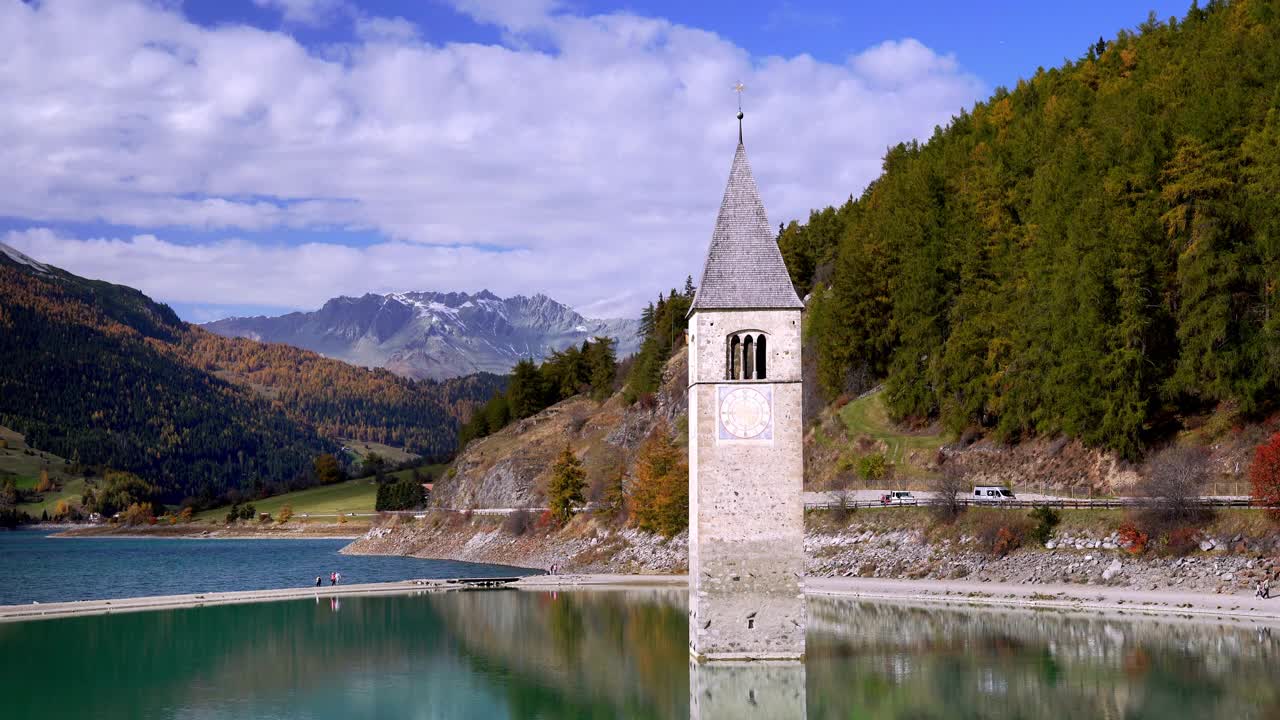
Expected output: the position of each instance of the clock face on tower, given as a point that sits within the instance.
(745, 412)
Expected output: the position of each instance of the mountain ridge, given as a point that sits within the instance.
(431, 334)
(104, 376)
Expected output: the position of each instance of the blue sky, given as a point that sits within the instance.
(259, 156)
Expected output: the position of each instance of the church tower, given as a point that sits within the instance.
(746, 512)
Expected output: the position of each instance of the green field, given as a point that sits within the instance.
(350, 496)
(361, 449)
(356, 496)
(868, 417)
(71, 490)
(23, 463)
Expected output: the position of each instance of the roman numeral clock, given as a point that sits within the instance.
(745, 413)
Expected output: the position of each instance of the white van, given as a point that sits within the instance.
(898, 497)
(992, 493)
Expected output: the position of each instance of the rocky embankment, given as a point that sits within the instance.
(510, 468)
(584, 546)
(1221, 565)
(1227, 564)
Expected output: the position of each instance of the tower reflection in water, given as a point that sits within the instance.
(726, 689)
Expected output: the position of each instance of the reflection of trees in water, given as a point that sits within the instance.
(935, 661)
(608, 654)
(616, 656)
(622, 654)
(125, 664)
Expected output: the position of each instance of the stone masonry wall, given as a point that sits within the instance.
(746, 513)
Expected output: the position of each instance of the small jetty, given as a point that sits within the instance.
(490, 582)
(33, 611)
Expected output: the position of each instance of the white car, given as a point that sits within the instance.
(992, 493)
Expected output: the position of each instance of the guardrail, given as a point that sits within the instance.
(1065, 503)
(1062, 503)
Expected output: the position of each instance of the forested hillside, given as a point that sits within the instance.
(1095, 253)
(100, 374)
(341, 400)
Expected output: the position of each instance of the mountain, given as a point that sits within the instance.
(1093, 253)
(434, 335)
(101, 374)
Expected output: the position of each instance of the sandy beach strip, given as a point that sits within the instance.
(1057, 597)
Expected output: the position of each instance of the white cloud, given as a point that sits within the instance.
(235, 272)
(381, 29)
(305, 12)
(515, 15)
(901, 63)
(595, 163)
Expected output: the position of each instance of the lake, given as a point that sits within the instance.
(514, 654)
(38, 568)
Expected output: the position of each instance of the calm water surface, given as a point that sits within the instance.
(35, 567)
(511, 654)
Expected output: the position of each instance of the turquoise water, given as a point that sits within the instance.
(38, 568)
(510, 654)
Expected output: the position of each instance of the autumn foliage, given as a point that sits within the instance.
(1133, 539)
(660, 491)
(1264, 475)
(44, 484)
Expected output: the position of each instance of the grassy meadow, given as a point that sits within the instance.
(351, 496)
(23, 464)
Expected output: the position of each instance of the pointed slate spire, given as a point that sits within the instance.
(744, 267)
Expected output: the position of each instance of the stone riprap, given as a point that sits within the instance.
(1224, 565)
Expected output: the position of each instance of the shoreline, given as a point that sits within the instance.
(126, 536)
(1081, 599)
(220, 533)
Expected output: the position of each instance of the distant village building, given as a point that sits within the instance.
(746, 512)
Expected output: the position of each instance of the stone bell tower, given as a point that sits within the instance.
(746, 512)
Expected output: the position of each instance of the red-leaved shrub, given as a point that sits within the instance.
(1182, 541)
(1264, 475)
(1132, 539)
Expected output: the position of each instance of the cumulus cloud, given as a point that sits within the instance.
(381, 29)
(589, 167)
(305, 12)
(235, 272)
(517, 15)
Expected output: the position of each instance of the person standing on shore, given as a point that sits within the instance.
(337, 578)
(317, 581)
(333, 578)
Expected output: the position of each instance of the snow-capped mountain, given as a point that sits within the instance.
(434, 335)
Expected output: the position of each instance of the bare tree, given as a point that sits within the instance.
(1171, 487)
(948, 487)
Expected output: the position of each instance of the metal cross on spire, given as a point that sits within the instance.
(739, 88)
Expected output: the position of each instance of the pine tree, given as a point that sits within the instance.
(603, 366)
(567, 484)
(525, 393)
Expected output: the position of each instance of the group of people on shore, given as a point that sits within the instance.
(334, 578)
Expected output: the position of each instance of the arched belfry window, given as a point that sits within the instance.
(746, 356)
